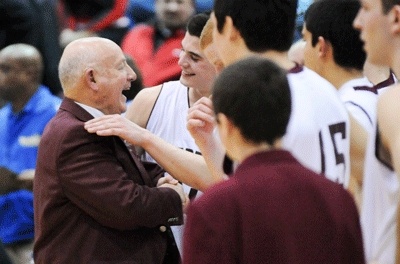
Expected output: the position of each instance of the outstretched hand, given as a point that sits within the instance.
(116, 125)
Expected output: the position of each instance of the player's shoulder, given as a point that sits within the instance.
(390, 97)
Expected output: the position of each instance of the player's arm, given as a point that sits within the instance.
(358, 144)
(185, 166)
(388, 117)
(201, 125)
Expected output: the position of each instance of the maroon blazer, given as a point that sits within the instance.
(93, 201)
(273, 210)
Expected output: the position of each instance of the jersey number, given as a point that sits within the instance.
(333, 130)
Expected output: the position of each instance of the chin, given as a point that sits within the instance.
(184, 81)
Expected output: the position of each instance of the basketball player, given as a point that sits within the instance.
(379, 23)
(318, 130)
(334, 50)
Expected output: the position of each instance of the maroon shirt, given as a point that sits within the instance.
(273, 210)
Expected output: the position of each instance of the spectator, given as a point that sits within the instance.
(35, 23)
(142, 11)
(29, 107)
(155, 46)
(101, 18)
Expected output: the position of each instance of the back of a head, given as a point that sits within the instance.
(263, 24)
(78, 55)
(333, 20)
(254, 94)
(196, 24)
(206, 37)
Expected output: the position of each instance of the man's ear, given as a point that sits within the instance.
(324, 47)
(395, 19)
(90, 78)
(225, 124)
(230, 29)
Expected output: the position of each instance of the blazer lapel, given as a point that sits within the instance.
(136, 160)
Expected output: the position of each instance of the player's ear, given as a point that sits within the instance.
(324, 47)
(225, 124)
(394, 15)
(230, 29)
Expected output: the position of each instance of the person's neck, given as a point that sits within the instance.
(195, 94)
(338, 76)
(280, 58)
(395, 66)
(248, 149)
(19, 103)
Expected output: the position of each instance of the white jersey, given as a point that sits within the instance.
(318, 133)
(168, 121)
(379, 206)
(360, 98)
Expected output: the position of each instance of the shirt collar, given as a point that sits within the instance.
(91, 110)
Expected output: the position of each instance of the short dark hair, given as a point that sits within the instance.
(387, 5)
(263, 24)
(254, 94)
(333, 20)
(196, 24)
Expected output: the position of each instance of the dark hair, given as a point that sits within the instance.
(263, 24)
(333, 20)
(387, 5)
(196, 24)
(254, 94)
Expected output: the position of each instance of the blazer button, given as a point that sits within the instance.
(163, 228)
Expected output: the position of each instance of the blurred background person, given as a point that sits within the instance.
(103, 18)
(155, 45)
(29, 107)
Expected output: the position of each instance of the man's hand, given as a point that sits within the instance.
(116, 125)
(179, 189)
(201, 121)
(167, 179)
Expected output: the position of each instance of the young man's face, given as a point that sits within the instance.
(224, 48)
(375, 31)
(197, 71)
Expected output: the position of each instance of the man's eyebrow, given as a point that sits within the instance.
(194, 54)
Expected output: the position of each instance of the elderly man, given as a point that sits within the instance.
(92, 194)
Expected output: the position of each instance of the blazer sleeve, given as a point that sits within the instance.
(110, 189)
